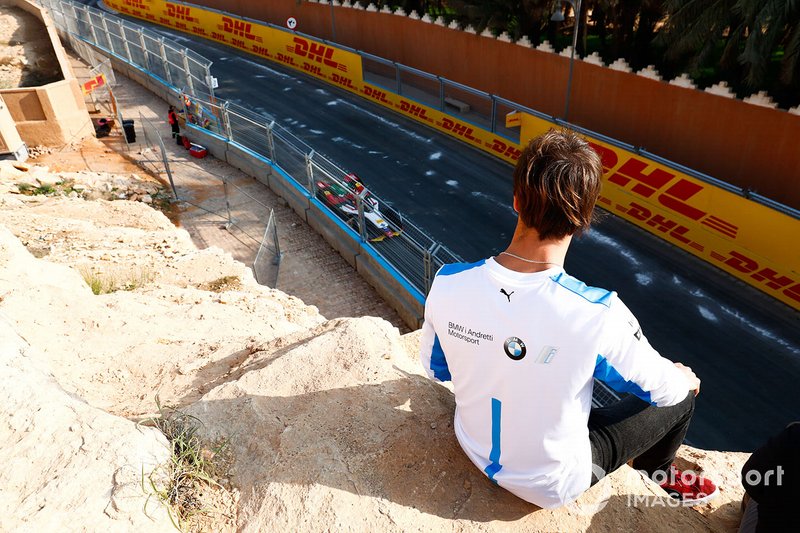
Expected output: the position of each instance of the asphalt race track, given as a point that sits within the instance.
(742, 344)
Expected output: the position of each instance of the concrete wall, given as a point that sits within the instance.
(741, 143)
(10, 141)
(53, 114)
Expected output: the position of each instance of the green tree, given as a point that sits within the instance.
(750, 33)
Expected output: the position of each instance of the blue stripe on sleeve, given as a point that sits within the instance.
(494, 455)
(455, 268)
(591, 294)
(438, 361)
(609, 375)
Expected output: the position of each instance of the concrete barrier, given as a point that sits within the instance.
(342, 238)
(284, 186)
(392, 287)
(215, 144)
(249, 162)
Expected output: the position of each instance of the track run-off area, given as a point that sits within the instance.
(744, 345)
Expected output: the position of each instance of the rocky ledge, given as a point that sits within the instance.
(330, 423)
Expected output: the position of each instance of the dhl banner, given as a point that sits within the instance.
(743, 238)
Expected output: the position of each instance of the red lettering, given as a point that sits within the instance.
(678, 235)
(741, 263)
(793, 292)
(648, 183)
(607, 156)
(683, 190)
(639, 212)
(775, 281)
(661, 224)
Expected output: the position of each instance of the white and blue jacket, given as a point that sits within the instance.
(522, 350)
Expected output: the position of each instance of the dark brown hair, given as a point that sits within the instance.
(556, 184)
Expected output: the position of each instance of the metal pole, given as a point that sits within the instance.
(271, 141)
(227, 204)
(310, 173)
(227, 119)
(494, 114)
(441, 93)
(397, 78)
(210, 82)
(145, 53)
(362, 229)
(333, 24)
(187, 71)
(163, 50)
(124, 38)
(572, 58)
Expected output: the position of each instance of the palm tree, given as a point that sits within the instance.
(752, 32)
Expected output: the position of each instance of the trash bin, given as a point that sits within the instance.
(130, 132)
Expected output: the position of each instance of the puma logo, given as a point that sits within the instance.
(507, 294)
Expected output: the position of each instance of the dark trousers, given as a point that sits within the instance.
(634, 429)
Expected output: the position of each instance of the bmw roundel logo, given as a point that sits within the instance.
(515, 348)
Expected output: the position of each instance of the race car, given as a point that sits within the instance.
(342, 200)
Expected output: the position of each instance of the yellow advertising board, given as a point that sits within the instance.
(743, 238)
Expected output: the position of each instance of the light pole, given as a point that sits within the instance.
(558, 16)
(333, 24)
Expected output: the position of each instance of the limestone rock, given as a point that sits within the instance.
(66, 464)
(331, 432)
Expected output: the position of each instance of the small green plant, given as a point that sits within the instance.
(44, 190)
(104, 283)
(194, 466)
(98, 283)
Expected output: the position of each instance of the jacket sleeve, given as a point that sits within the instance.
(431, 354)
(627, 362)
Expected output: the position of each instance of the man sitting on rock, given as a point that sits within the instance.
(522, 342)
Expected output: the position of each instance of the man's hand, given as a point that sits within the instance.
(694, 381)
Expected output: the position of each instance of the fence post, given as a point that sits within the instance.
(187, 71)
(227, 204)
(91, 27)
(226, 118)
(310, 173)
(145, 53)
(276, 260)
(163, 50)
(494, 113)
(362, 228)
(427, 264)
(441, 93)
(108, 33)
(74, 19)
(271, 142)
(210, 82)
(125, 41)
(397, 79)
